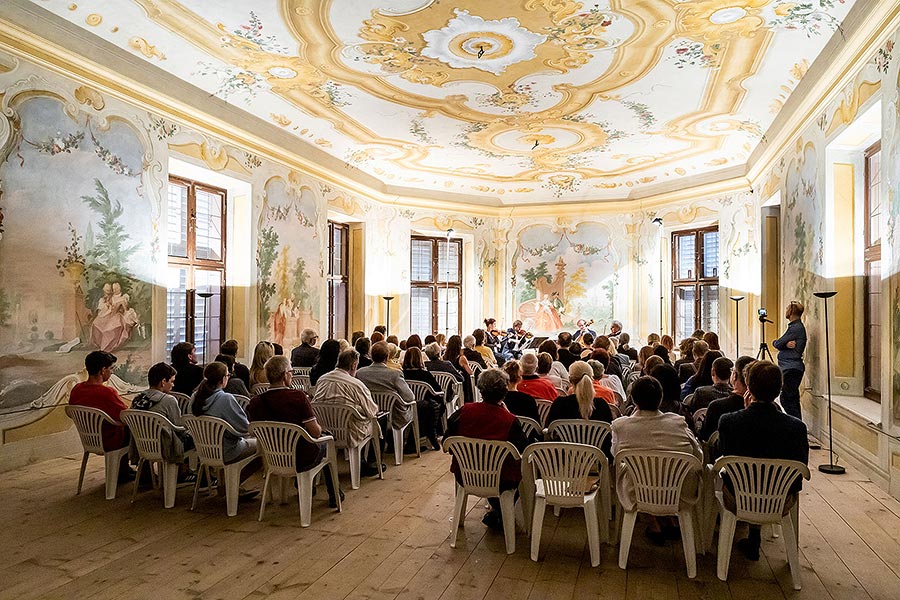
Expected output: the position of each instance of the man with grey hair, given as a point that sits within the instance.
(286, 405)
(533, 384)
(306, 353)
(615, 328)
(435, 364)
(471, 354)
(490, 420)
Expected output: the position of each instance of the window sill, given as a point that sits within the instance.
(860, 406)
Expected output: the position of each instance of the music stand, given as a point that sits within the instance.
(830, 468)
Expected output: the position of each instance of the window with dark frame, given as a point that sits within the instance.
(695, 280)
(338, 279)
(196, 266)
(872, 260)
(436, 285)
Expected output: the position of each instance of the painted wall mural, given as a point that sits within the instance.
(77, 247)
(290, 268)
(561, 274)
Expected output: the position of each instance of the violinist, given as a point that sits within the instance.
(492, 336)
(516, 339)
(583, 328)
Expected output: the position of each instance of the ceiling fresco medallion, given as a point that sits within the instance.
(470, 41)
(508, 98)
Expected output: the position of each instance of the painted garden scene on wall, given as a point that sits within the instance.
(563, 275)
(288, 263)
(75, 280)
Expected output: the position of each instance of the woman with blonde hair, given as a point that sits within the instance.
(262, 353)
(669, 344)
(582, 403)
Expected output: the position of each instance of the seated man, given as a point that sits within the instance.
(609, 380)
(241, 371)
(363, 345)
(156, 398)
(532, 384)
(340, 386)
(490, 420)
(565, 355)
(721, 387)
(378, 377)
(652, 430)
(472, 355)
(94, 394)
(305, 354)
(729, 404)
(284, 404)
(189, 373)
(762, 431)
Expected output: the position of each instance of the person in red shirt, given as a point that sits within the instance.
(94, 394)
(532, 384)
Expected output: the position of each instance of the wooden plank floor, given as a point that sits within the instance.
(391, 542)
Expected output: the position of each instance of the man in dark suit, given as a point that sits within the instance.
(378, 377)
(565, 355)
(729, 404)
(305, 354)
(762, 431)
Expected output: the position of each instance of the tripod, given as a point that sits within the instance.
(764, 353)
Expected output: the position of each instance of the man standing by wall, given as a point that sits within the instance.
(790, 348)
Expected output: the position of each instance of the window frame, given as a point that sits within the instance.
(871, 254)
(342, 277)
(435, 284)
(192, 263)
(697, 281)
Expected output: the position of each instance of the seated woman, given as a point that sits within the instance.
(583, 403)
(262, 353)
(326, 362)
(600, 390)
(212, 400)
(490, 420)
(189, 373)
(235, 384)
(518, 403)
(161, 378)
(671, 400)
(454, 355)
(430, 407)
(393, 361)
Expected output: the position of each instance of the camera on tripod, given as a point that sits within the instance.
(763, 315)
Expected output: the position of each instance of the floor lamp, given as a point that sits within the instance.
(206, 296)
(830, 468)
(387, 326)
(737, 326)
(447, 289)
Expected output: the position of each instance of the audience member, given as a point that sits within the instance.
(93, 393)
(565, 354)
(652, 430)
(624, 348)
(486, 353)
(653, 340)
(156, 398)
(189, 373)
(600, 390)
(762, 431)
(720, 388)
(544, 366)
(671, 388)
(608, 381)
(262, 353)
(588, 342)
(454, 355)
(241, 371)
(644, 353)
(363, 347)
(557, 369)
(669, 344)
(378, 377)
(306, 353)
(382, 329)
(376, 337)
(393, 361)
(518, 403)
(703, 376)
(732, 403)
(533, 384)
(343, 345)
(582, 402)
(393, 339)
(234, 385)
(471, 354)
(490, 420)
(430, 339)
(686, 350)
(414, 341)
(286, 405)
(712, 340)
(698, 350)
(340, 386)
(612, 366)
(355, 336)
(278, 349)
(662, 352)
(698, 334)
(431, 406)
(326, 361)
(651, 363)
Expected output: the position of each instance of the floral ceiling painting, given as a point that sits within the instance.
(513, 101)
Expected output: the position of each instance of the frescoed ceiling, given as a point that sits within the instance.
(516, 101)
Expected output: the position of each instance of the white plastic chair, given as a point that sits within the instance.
(476, 371)
(242, 400)
(699, 419)
(259, 388)
(543, 407)
(707, 506)
(184, 402)
(562, 477)
(615, 411)
(591, 433)
(208, 433)
(657, 478)
(301, 371)
(336, 419)
(761, 491)
(480, 462)
(386, 402)
(531, 427)
(301, 382)
(278, 442)
(88, 422)
(146, 428)
(448, 382)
